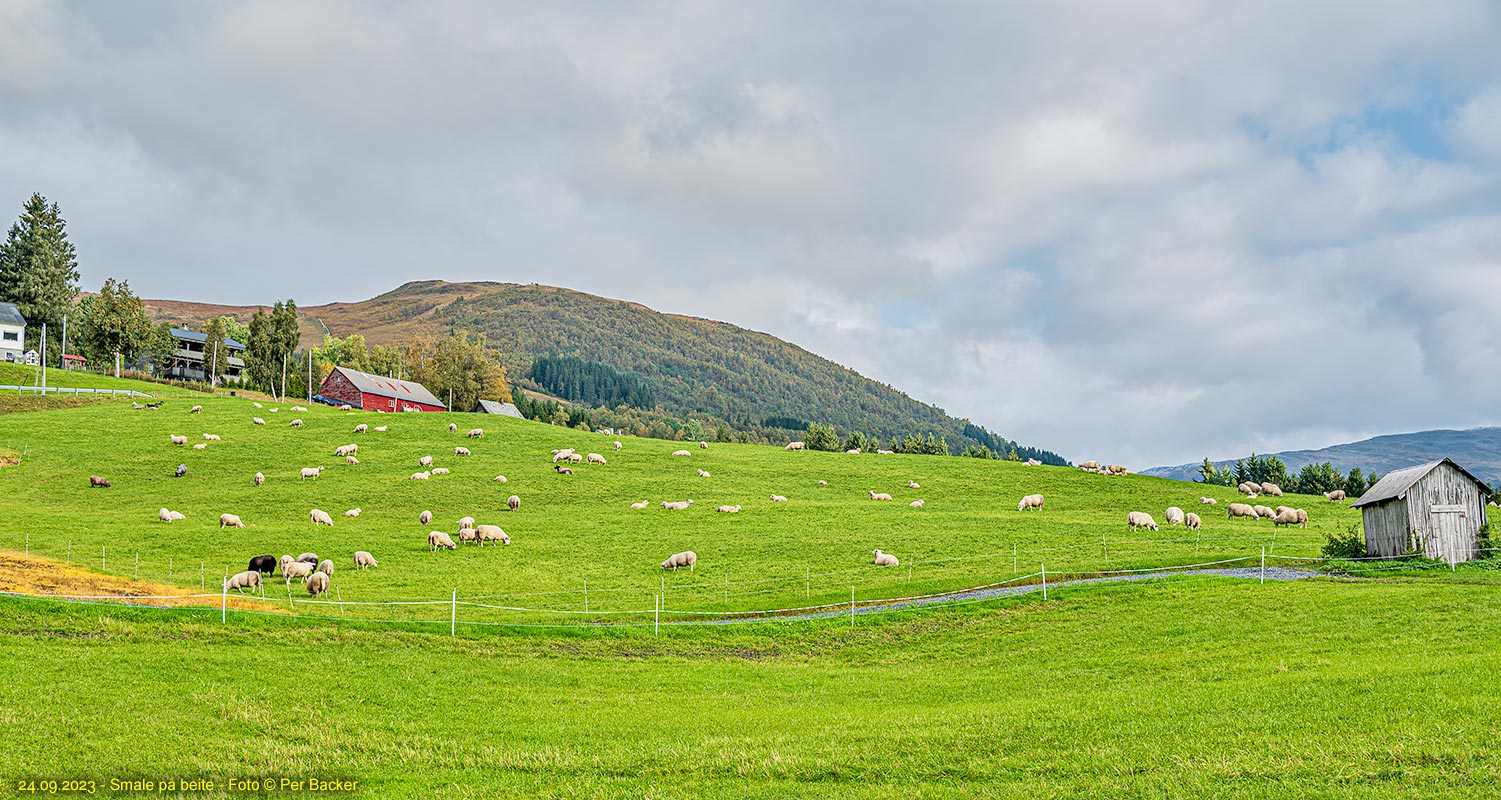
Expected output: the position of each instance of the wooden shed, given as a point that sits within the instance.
(376, 392)
(1435, 509)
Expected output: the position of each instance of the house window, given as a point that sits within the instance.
(12, 336)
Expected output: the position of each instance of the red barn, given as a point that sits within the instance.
(377, 392)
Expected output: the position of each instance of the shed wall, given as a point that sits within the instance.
(1446, 535)
(1386, 529)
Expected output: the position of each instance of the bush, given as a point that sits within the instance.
(1349, 545)
(1483, 541)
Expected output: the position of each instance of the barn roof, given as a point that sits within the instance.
(496, 407)
(381, 386)
(10, 315)
(1396, 484)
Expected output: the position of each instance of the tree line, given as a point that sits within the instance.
(1312, 479)
(591, 383)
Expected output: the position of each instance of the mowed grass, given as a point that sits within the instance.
(22, 375)
(575, 529)
(1205, 687)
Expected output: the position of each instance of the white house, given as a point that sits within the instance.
(12, 333)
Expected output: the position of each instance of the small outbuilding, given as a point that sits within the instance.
(497, 407)
(1436, 509)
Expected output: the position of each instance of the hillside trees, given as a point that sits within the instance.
(455, 364)
(39, 267)
(214, 350)
(821, 437)
(1216, 476)
(592, 383)
(270, 341)
(1317, 479)
(114, 323)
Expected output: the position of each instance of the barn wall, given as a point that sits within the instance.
(1448, 536)
(338, 387)
(1385, 529)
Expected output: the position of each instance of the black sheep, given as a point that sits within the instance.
(182, 469)
(266, 564)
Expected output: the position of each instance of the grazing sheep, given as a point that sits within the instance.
(200, 446)
(1140, 519)
(257, 421)
(563, 470)
(1249, 488)
(437, 539)
(259, 479)
(1265, 512)
(326, 566)
(351, 461)
(596, 458)
(796, 446)
(346, 450)
(177, 515)
(265, 563)
(491, 533)
(381, 428)
(453, 427)
(476, 433)
(687, 558)
(916, 504)
(1117, 469)
(728, 509)
(311, 472)
(249, 579)
(466, 522)
(296, 423)
(1090, 465)
(1240, 510)
(317, 584)
(308, 558)
(1192, 521)
(1030, 501)
(182, 469)
(1335, 496)
(885, 559)
(421, 476)
(874, 495)
(296, 569)
(1173, 515)
(361, 428)
(913, 485)
(230, 521)
(703, 473)
(363, 559)
(348, 407)
(425, 461)
(575, 458)
(513, 502)
(320, 518)
(640, 505)
(681, 453)
(425, 518)
(703, 445)
(211, 437)
(354, 512)
(179, 439)
(284, 561)
(1271, 489)
(165, 515)
(561, 455)
(1288, 517)
(776, 498)
(468, 534)
(461, 451)
(257, 405)
(1208, 501)
(95, 480)
(439, 470)
(618, 445)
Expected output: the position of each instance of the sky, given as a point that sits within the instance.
(1141, 232)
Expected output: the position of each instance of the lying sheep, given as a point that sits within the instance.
(317, 584)
(296, 423)
(361, 428)
(257, 405)
(1208, 501)
(296, 569)
(728, 509)
(320, 518)
(381, 428)
(703, 473)
(265, 563)
(461, 451)
(95, 480)
(326, 566)
(240, 581)
(562, 470)
(823, 483)
(177, 515)
(1240, 510)
(230, 521)
(681, 453)
(353, 512)
(259, 479)
(796, 446)
(476, 433)
(776, 498)
(618, 445)
(491, 533)
(676, 505)
(299, 408)
(640, 505)
(513, 502)
(351, 461)
(885, 559)
(200, 446)
(1192, 521)
(363, 559)
(425, 518)
(257, 421)
(421, 476)
(1173, 515)
(425, 461)
(854, 451)
(687, 558)
(913, 485)
(596, 458)
(874, 495)
(211, 437)
(916, 504)
(1335, 496)
(311, 472)
(439, 470)
(500, 479)
(881, 452)
(1030, 501)
(1140, 519)
(437, 539)
(179, 439)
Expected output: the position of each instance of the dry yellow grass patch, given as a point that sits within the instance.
(29, 575)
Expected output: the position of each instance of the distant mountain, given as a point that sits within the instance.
(1477, 450)
(682, 365)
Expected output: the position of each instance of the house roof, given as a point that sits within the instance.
(381, 386)
(1396, 484)
(202, 338)
(10, 315)
(495, 407)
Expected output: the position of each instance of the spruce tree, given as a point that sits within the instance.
(38, 266)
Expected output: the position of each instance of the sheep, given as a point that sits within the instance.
(796, 446)
(437, 539)
(1117, 469)
(915, 504)
(259, 479)
(1240, 510)
(461, 451)
(95, 480)
(1141, 519)
(439, 470)
(823, 483)
(381, 428)
(703, 473)
(681, 453)
(240, 581)
(212, 437)
(257, 405)
(296, 423)
(1288, 517)
(284, 561)
(425, 461)
(326, 566)
(1208, 501)
(491, 533)
(1192, 521)
(257, 421)
(913, 485)
(308, 558)
(703, 445)
(596, 458)
(1089, 465)
(575, 458)
(317, 584)
(354, 512)
(348, 407)
(311, 472)
(361, 428)
(561, 455)
(453, 427)
(1265, 512)
(165, 515)
(513, 502)
(363, 559)
(200, 446)
(177, 515)
(274, 410)
(476, 433)
(676, 505)
(351, 461)
(296, 569)
(728, 509)
(425, 518)
(466, 522)
(1249, 488)
(1271, 489)
(1030, 501)
(853, 451)
(885, 559)
(640, 505)
(881, 452)
(500, 479)
(299, 408)
(1335, 496)
(179, 439)
(265, 563)
(346, 450)
(563, 470)
(320, 518)
(1302, 518)
(618, 445)
(776, 498)
(230, 521)
(1173, 515)
(874, 495)
(687, 558)
(421, 476)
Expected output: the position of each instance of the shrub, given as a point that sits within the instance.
(1349, 545)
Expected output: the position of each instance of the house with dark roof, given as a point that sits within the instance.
(377, 392)
(193, 358)
(497, 407)
(1436, 509)
(12, 333)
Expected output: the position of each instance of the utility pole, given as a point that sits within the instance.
(63, 362)
(44, 358)
(310, 376)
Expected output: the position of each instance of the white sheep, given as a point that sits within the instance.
(1141, 519)
(881, 452)
(513, 502)
(676, 505)
(640, 505)
(561, 455)
(703, 445)
(177, 515)
(703, 473)
(1089, 465)
(249, 579)
(317, 584)
(1288, 517)
(200, 446)
(1335, 496)
(468, 535)
(346, 450)
(913, 485)
(465, 522)
(437, 539)
(491, 533)
(425, 518)
(296, 569)
(476, 433)
(211, 437)
(776, 498)
(823, 483)
(296, 423)
(916, 504)
(363, 559)
(257, 405)
(728, 509)
(381, 428)
(348, 407)
(596, 458)
(425, 461)
(354, 512)
(795, 446)
(874, 495)
(257, 421)
(439, 470)
(1173, 515)
(284, 561)
(1030, 501)
(1271, 489)
(1208, 501)
(687, 558)
(575, 458)
(299, 408)
(681, 453)
(461, 451)
(855, 451)
(618, 445)
(1192, 521)
(326, 566)
(1240, 510)
(195, 409)
(318, 517)
(259, 479)
(500, 479)
(311, 472)
(165, 515)
(361, 428)
(453, 427)
(421, 476)
(230, 521)
(1265, 512)
(351, 461)
(885, 559)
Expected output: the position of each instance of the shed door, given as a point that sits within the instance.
(1448, 540)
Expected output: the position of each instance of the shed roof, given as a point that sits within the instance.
(381, 386)
(497, 407)
(1396, 484)
(202, 338)
(10, 315)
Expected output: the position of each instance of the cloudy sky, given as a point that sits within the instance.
(1142, 232)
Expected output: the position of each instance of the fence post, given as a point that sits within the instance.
(656, 617)
(852, 606)
(340, 597)
(453, 613)
(102, 548)
(1044, 581)
(1105, 547)
(202, 577)
(138, 565)
(1013, 558)
(224, 602)
(807, 582)
(169, 569)
(1263, 564)
(290, 606)
(586, 595)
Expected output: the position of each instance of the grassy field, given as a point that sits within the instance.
(22, 375)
